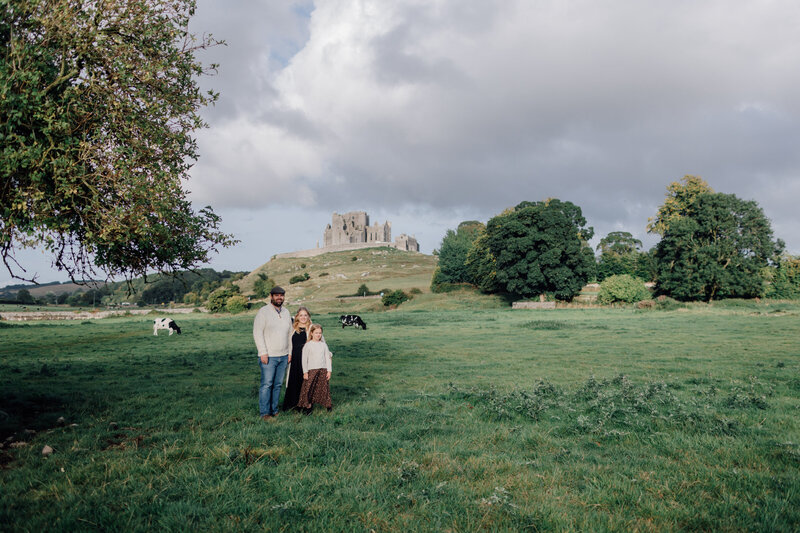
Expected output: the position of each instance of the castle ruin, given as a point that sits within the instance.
(352, 231)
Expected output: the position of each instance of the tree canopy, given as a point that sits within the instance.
(718, 250)
(541, 247)
(678, 203)
(456, 244)
(98, 101)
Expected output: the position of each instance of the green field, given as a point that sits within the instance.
(450, 415)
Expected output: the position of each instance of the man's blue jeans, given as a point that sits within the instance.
(271, 379)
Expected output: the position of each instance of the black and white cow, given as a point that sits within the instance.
(352, 320)
(165, 323)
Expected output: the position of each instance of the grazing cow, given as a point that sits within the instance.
(352, 320)
(165, 323)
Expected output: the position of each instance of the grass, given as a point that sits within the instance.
(378, 268)
(457, 416)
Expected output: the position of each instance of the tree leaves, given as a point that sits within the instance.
(98, 102)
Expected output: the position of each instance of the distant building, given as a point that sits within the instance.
(352, 231)
(354, 228)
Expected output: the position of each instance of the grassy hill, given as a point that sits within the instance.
(341, 273)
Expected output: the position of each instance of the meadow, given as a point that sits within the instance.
(460, 417)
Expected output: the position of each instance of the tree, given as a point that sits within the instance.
(783, 280)
(24, 297)
(619, 254)
(717, 251)
(262, 285)
(680, 197)
(481, 264)
(452, 266)
(541, 247)
(98, 101)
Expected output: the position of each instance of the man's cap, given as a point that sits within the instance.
(277, 290)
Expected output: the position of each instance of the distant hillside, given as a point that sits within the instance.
(37, 291)
(341, 273)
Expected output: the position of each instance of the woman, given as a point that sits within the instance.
(294, 380)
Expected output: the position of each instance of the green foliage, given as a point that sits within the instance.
(541, 247)
(453, 254)
(619, 254)
(262, 285)
(394, 298)
(218, 299)
(362, 290)
(98, 103)
(481, 264)
(236, 304)
(24, 296)
(299, 278)
(783, 279)
(622, 288)
(718, 250)
(678, 203)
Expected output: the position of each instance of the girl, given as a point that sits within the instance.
(294, 377)
(316, 372)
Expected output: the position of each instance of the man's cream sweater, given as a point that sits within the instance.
(272, 331)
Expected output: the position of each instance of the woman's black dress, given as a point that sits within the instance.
(295, 382)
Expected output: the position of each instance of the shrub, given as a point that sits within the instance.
(262, 285)
(394, 298)
(218, 299)
(622, 288)
(322, 274)
(236, 304)
(415, 290)
(299, 278)
(354, 258)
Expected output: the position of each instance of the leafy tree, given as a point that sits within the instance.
(262, 285)
(541, 247)
(452, 266)
(363, 290)
(717, 251)
(783, 280)
(98, 103)
(619, 253)
(24, 297)
(481, 264)
(678, 203)
(619, 243)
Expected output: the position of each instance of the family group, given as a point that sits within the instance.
(297, 343)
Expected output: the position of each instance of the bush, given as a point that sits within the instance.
(218, 299)
(299, 278)
(262, 285)
(622, 288)
(236, 304)
(415, 291)
(394, 298)
(322, 274)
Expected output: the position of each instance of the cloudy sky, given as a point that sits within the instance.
(429, 112)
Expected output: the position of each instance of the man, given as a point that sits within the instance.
(272, 331)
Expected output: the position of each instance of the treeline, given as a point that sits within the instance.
(198, 287)
(712, 246)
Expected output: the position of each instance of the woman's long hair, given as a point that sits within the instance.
(296, 323)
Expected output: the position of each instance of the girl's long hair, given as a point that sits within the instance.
(296, 323)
